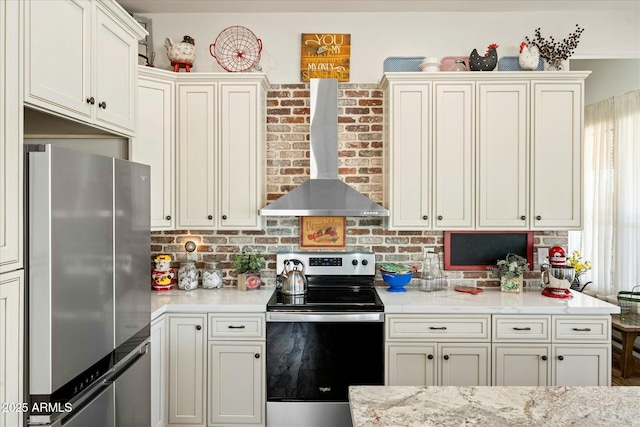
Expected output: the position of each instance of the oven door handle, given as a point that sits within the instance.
(324, 317)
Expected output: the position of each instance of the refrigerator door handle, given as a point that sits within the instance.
(123, 366)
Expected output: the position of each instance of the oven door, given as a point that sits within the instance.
(313, 358)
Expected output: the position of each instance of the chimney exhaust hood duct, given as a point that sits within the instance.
(324, 194)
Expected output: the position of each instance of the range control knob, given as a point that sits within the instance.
(354, 262)
(365, 262)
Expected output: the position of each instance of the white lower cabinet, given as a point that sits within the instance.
(521, 364)
(442, 350)
(236, 370)
(235, 381)
(449, 364)
(500, 350)
(187, 375)
(159, 371)
(582, 365)
(208, 370)
(11, 345)
(541, 350)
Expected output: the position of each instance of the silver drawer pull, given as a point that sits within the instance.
(441, 328)
(236, 327)
(522, 329)
(582, 329)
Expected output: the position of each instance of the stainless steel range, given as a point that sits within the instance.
(321, 342)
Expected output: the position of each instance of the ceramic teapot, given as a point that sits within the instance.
(183, 52)
(294, 281)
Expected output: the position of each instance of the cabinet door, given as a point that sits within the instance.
(11, 130)
(196, 156)
(240, 159)
(411, 364)
(11, 345)
(409, 157)
(557, 155)
(453, 144)
(154, 145)
(236, 383)
(463, 364)
(581, 365)
(521, 364)
(159, 372)
(58, 56)
(116, 70)
(502, 156)
(186, 370)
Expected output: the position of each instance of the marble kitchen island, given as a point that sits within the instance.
(405, 406)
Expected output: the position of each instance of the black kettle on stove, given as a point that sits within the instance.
(294, 281)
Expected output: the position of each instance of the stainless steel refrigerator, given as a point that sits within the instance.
(88, 289)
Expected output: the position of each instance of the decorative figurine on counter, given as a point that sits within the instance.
(163, 275)
(484, 63)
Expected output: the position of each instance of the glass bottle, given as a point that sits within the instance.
(211, 276)
(427, 279)
(188, 276)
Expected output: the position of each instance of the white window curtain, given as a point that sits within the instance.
(611, 234)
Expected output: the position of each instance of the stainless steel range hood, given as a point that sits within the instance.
(324, 194)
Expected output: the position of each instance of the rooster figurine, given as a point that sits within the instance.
(529, 57)
(484, 63)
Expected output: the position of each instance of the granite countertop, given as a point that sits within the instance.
(223, 300)
(490, 301)
(402, 406)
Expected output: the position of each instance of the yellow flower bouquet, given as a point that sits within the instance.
(579, 265)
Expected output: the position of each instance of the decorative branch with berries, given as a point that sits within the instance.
(552, 50)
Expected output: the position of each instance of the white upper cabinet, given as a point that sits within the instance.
(154, 144)
(489, 151)
(502, 155)
(408, 156)
(11, 136)
(241, 158)
(116, 62)
(453, 155)
(197, 143)
(557, 155)
(81, 61)
(204, 136)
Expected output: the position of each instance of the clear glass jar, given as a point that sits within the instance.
(188, 276)
(211, 276)
(458, 65)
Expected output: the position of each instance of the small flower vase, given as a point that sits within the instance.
(575, 284)
(511, 284)
(555, 65)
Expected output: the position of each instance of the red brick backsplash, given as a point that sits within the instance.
(360, 161)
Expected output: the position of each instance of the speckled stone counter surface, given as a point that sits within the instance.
(490, 301)
(377, 406)
(223, 300)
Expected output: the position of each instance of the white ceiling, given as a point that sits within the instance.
(337, 6)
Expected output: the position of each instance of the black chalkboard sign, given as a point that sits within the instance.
(477, 250)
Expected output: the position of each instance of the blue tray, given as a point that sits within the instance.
(402, 63)
(510, 63)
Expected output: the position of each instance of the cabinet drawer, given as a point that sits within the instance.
(236, 326)
(438, 327)
(581, 328)
(521, 328)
